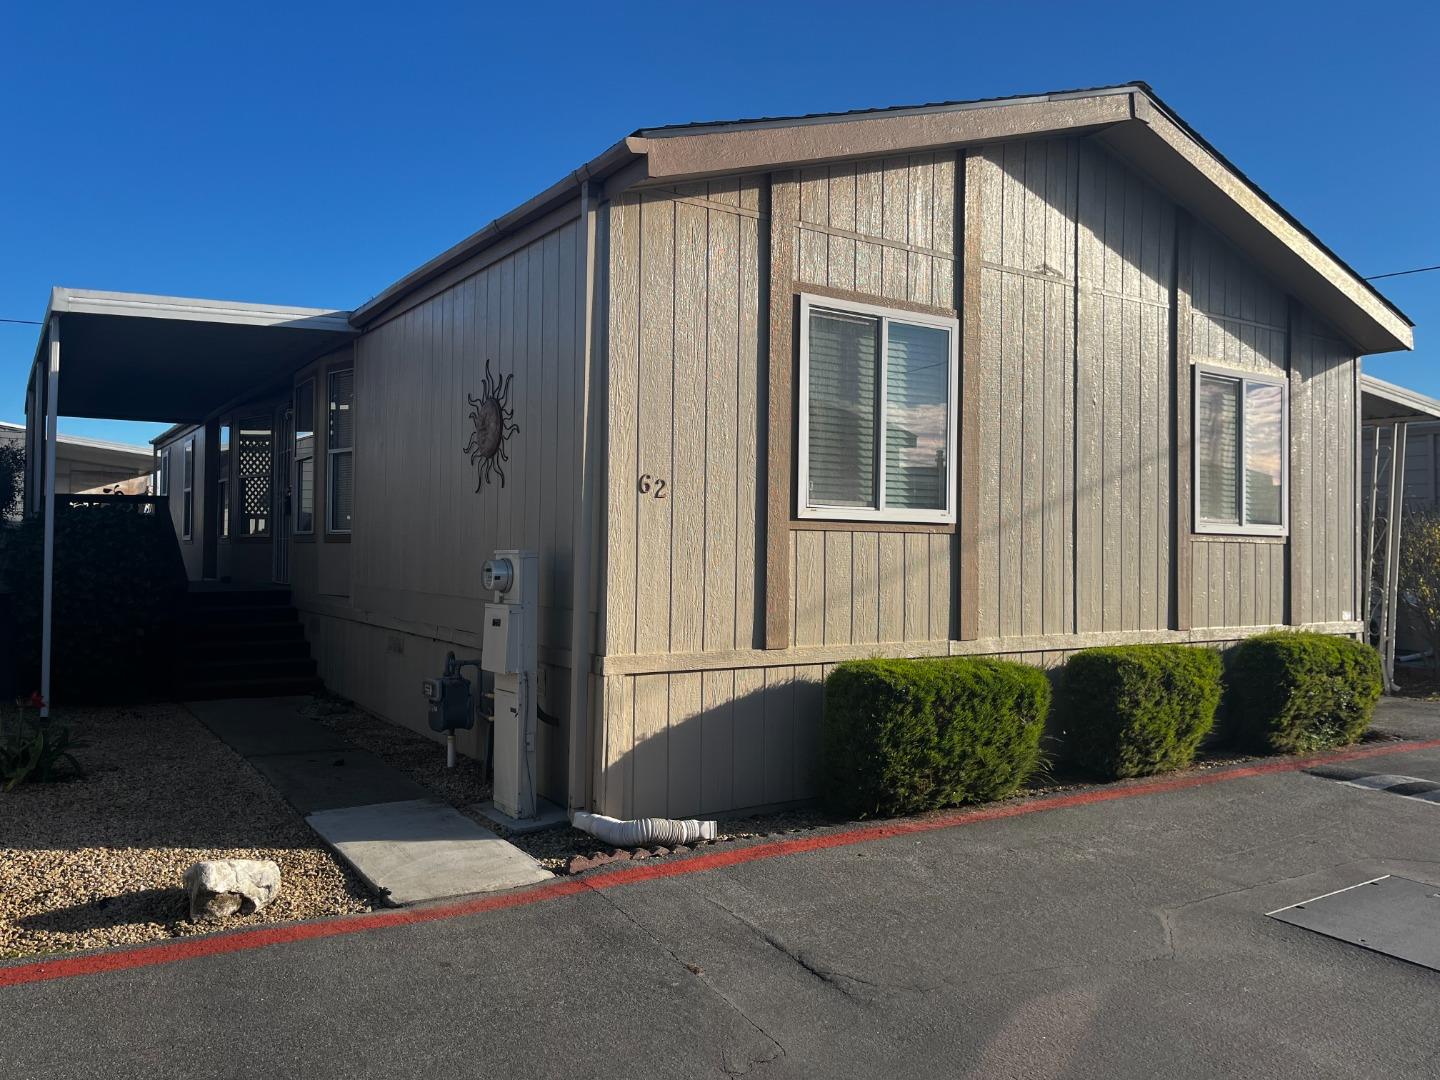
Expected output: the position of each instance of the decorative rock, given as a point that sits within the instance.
(221, 888)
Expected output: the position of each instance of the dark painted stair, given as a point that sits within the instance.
(244, 642)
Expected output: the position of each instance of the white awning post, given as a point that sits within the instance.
(1390, 599)
(52, 401)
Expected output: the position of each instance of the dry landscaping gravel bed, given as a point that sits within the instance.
(98, 862)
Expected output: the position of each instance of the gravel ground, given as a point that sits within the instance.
(98, 862)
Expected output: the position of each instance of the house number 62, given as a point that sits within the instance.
(654, 486)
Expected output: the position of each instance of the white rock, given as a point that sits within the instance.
(219, 888)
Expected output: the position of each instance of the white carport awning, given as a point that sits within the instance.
(131, 356)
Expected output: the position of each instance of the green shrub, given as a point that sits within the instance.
(901, 736)
(1134, 710)
(1295, 692)
(119, 587)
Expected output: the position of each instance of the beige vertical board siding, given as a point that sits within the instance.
(1325, 435)
(717, 741)
(1124, 370)
(656, 406)
(891, 586)
(422, 527)
(720, 477)
(910, 203)
(749, 421)
(749, 747)
(623, 366)
(839, 588)
(865, 586)
(685, 744)
(683, 572)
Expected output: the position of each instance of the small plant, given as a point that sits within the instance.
(1291, 692)
(1419, 585)
(1135, 710)
(31, 749)
(902, 736)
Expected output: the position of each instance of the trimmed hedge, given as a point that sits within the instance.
(1294, 692)
(902, 736)
(1134, 710)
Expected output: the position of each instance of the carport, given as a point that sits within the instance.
(1386, 412)
(131, 356)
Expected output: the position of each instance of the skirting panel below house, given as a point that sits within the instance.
(712, 740)
(381, 669)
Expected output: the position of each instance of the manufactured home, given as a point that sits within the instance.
(1008, 377)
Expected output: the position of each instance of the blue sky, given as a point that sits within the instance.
(311, 154)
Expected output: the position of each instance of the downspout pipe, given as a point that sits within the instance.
(586, 535)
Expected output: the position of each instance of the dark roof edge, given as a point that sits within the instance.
(1209, 148)
(563, 191)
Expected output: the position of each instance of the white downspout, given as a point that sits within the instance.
(52, 402)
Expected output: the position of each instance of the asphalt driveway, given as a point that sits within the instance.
(1127, 938)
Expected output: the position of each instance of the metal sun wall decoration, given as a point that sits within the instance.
(492, 417)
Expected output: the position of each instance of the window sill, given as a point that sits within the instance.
(1240, 535)
(870, 525)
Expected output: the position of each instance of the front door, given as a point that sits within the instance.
(284, 451)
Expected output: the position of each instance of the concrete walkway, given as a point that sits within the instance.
(1126, 939)
(408, 845)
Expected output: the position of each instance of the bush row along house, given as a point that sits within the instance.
(1005, 377)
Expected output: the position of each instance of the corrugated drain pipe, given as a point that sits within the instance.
(643, 831)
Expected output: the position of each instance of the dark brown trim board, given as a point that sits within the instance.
(968, 279)
(784, 197)
(1180, 505)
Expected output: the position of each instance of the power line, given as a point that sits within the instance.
(24, 322)
(1402, 273)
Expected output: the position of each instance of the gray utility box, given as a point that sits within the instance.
(451, 703)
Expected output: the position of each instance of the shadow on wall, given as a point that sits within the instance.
(690, 743)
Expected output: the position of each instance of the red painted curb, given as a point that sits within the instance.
(260, 937)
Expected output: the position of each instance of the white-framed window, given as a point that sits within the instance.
(162, 472)
(878, 398)
(1240, 447)
(304, 524)
(187, 491)
(340, 451)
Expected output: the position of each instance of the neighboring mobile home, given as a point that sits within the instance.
(84, 465)
(1006, 377)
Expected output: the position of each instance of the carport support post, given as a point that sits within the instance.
(52, 408)
(210, 523)
(1389, 624)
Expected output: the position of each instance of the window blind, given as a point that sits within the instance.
(844, 391)
(917, 393)
(1217, 449)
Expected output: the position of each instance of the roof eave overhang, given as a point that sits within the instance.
(1216, 193)
(1129, 120)
(1385, 402)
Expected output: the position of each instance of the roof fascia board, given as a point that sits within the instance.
(560, 192)
(681, 156)
(1409, 401)
(1231, 203)
(682, 130)
(189, 309)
